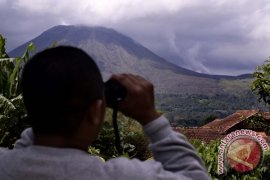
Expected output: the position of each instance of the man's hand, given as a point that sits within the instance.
(139, 103)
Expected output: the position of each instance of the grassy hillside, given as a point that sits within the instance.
(236, 86)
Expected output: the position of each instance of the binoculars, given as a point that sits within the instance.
(114, 92)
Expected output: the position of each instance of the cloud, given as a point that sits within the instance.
(220, 37)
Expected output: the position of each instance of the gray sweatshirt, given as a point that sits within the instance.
(174, 158)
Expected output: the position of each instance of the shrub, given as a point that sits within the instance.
(13, 117)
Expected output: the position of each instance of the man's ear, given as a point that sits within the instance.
(96, 112)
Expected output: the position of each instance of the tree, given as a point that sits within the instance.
(261, 84)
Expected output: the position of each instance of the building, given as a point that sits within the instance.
(219, 128)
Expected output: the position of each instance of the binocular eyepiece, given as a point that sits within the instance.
(115, 92)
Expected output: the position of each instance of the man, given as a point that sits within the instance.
(64, 96)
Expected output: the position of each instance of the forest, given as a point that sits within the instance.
(195, 110)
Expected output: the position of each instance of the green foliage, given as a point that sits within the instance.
(96, 152)
(261, 83)
(3, 53)
(209, 153)
(13, 117)
(208, 119)
(133, 141)
(193, 110)
(258, 123)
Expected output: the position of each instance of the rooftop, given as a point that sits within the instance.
(218, 128)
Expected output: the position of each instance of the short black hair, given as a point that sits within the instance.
(59, 84)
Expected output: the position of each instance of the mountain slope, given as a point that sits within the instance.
(116, 53)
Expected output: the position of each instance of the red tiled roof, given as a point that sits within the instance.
(212, 124)
(200, 133)
(222, 125)
(218, 128)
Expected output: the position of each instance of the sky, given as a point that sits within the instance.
(209, 36)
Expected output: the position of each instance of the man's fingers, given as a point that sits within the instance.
(131, 77)
(130, 81)
(123, 79)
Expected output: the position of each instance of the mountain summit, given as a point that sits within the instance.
(117, 53)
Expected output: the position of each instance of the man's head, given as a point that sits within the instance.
(59, 86)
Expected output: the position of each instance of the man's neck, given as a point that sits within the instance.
(59, 142)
